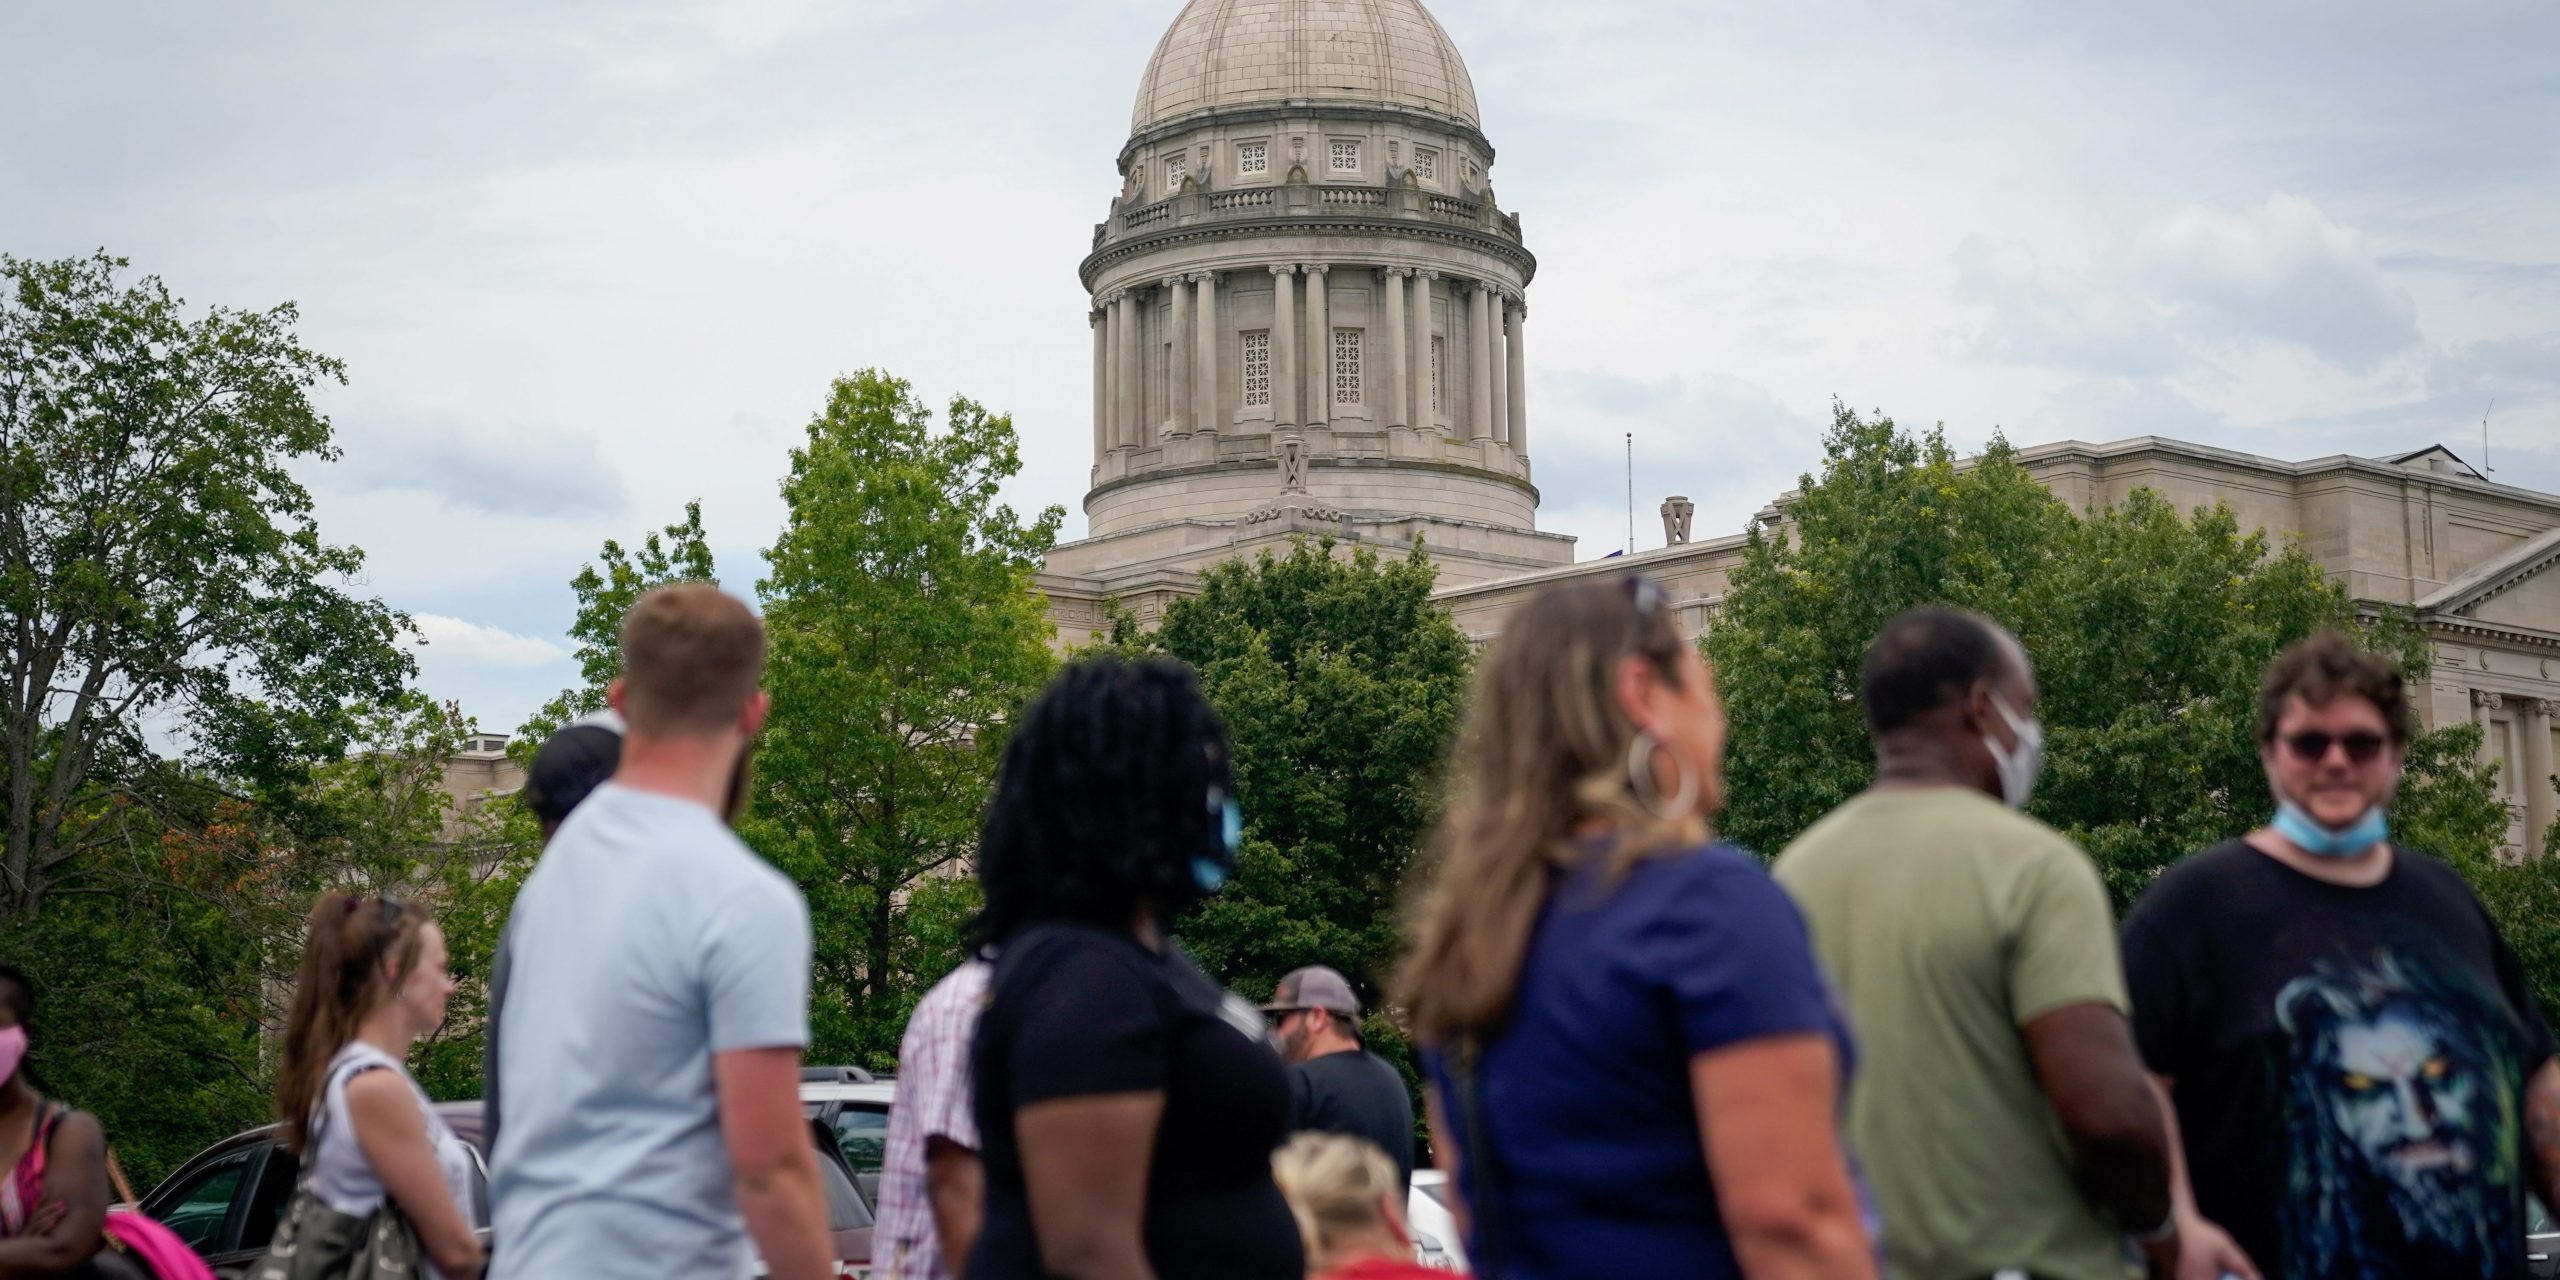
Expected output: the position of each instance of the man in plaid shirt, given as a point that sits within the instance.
(930, 1181)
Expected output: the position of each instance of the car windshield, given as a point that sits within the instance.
(2537, 1220)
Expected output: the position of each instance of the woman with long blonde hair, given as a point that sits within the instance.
(1634, 1064)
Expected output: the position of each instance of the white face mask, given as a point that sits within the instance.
(2019, 765)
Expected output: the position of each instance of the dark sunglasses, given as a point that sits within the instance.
(2311, 746)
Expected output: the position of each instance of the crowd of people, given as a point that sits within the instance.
(1918, 1045)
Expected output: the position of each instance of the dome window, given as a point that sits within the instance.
(1346, 156)
(1346, 366)
(1426, 164)
(1253, 157)
(1175, 170)
(1257, 370)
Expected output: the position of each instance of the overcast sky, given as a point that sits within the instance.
(588, 260)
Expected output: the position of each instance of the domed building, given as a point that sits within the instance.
(1309, 313)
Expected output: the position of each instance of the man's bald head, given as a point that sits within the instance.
(1932, 659)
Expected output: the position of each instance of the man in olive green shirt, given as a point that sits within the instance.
(1999, 1108)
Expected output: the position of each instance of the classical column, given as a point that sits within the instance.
(1125, 314)
(1498, 304)
(1393, 347)
(1425, 416)
(1284, 345)
(1101, 379)
(1515, 317)
(1177, 407)
(1206, 408)
(1480, 360)
(1319, 349)
(2538, 768)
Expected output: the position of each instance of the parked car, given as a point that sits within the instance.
(226, 1202)
(852, 1106)
(2541, 1241)
(1431, 1211)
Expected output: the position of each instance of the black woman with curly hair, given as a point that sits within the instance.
(1128, 1105)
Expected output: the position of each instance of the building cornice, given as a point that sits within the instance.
(1321, 463)
(2295, 472)
(1311, 225)
(1317, 109)
(2498, 632)
(1656, 560)
(2498, 574)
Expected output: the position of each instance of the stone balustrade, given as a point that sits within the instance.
(1253, 204)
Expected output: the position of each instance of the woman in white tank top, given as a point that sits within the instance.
(373, 980)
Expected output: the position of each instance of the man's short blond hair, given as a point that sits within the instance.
(692, 655)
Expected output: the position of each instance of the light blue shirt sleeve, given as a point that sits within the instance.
(756, 959)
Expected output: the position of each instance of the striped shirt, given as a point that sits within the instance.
(933, 1101)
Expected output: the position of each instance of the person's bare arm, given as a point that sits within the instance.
(1445, 1156)
(773, 1162)
(1084, 1165)
(2542, 1132)
(392, 1133)
(75, 1176)
(2086, 1062)
(954, 1181)
(1765, 1113)
(2204, 1251)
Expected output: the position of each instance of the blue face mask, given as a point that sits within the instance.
(2309, 836)
(1210, 871)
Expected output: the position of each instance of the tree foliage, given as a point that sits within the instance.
(906, 634)
(159, 565)
(606, 590)
(166, 969)
(1341, 684)
(2149, 630)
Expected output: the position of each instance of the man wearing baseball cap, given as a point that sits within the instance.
(1335, 1085)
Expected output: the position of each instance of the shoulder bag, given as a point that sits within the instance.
(316, 1242)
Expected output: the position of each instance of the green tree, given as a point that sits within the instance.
(606, 590)
(159, 566)
(2149, 631)
(167, 967)
(906, 634)
(1341, 683)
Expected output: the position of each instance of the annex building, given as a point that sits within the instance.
(1309, 318)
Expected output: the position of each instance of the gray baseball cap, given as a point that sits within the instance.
(1314, 987)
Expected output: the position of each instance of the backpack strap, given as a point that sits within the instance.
(49, 1114)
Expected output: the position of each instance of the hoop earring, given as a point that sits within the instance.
(1640, 751)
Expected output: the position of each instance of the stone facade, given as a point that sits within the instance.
(2477, 562)
(1309, 320)
(1309, 310)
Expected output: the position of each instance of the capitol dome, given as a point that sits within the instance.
(1227, 53)
(1308, 313)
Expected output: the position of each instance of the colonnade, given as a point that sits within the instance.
(1303, 357)
(2529, 774)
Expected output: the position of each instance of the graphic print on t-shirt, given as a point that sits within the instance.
(2401, 1115)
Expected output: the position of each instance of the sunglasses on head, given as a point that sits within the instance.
(2311, 746)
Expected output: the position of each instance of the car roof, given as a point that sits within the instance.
(879, 1091)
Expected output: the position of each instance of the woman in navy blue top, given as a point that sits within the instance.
(1635, 1065)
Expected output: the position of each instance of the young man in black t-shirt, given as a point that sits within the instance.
(1335, 1084)
(2364, 1084)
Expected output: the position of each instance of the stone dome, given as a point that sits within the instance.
(1229, 53)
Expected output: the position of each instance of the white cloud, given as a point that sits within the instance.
(2281, 271)
(471, 644)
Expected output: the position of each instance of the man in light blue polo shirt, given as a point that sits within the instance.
(658, 999)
